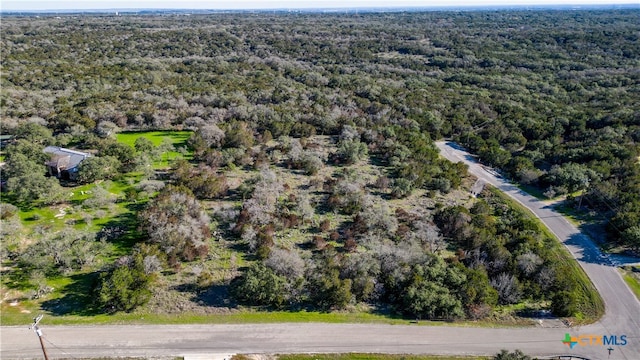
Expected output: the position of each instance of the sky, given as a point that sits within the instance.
(8, 5)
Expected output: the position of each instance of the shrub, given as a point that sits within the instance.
(325, 225)
(238, 135)
(212, 135)
(506, 355)
(363, 270)
(100, 198)
(508, 288)
(143, 145)
(431, 290)
(348, 197)
(176, 221)
(631, 237)
(401, 188)
(63, 251)
(325, 287)
(287, 263)
(125, 286)
(564, 303)
(351, 151)
(259, 285)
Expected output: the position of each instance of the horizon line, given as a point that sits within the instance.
(310, 8)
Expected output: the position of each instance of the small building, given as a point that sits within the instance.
(5, 140)
(64, 162)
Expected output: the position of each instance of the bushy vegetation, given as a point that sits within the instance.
(125, 286)
(289, 158)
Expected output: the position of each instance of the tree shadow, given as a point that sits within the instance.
(586, 250)
(122, 230)
(392, 313)
(15, 278)
(78, 299)
(214, 296)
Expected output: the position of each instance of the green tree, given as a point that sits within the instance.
(564, 303)
(477, 292)
(125, 287)
(33, 151)
(98, 168)
(428, 300)
(631, 237)
(19, 165)
(401, 188)
(572, 176)
(143, 145)
(28, 189)
(351, 151)
(432, 290)
(506, 355)
(325, 287)
(34, 133)
(238, 135)
(176, 221)
(259, 285)
(123, 152)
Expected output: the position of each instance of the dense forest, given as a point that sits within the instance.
(309, 178)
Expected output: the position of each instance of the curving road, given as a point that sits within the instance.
(622, 309)
(622, 318)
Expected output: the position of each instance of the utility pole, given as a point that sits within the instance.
(37, 330)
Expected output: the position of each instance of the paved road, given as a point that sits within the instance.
(181, 340)
(622, 318)
(621, 306)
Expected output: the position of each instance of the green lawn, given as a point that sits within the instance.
(632, 279)
(23, 313)
(177, 139)
(356, 356)
(58, 217)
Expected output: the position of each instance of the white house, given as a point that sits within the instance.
(64, 162)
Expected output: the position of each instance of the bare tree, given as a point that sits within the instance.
(262, 204)
(287, 263)
(508, 287)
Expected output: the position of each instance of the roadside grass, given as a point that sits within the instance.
(17, 316)
(533, 191)
(591, 223)
(26, 310)
(177, 140)
(365, 356)
(631, 275)
(590, 306)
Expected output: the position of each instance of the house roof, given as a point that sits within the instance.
(64, 159)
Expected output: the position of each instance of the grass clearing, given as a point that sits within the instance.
(70, 293)
(631, 275)
(173, 144)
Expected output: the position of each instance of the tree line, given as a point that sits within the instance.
(548, 97)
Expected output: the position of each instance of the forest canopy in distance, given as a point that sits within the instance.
(549, 97)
